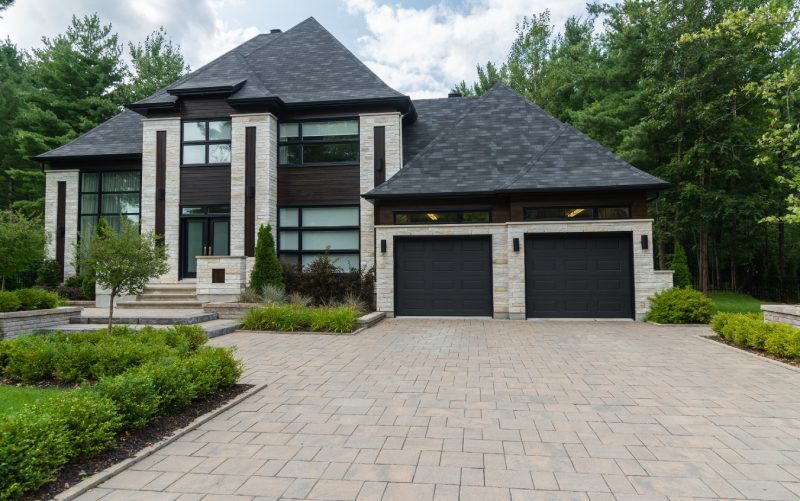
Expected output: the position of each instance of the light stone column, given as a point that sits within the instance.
(52, 178)
(394, 162)
(172, 126)
(266, 174)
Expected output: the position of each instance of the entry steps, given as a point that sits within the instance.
(164, 296)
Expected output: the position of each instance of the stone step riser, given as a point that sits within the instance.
(167, 297)
(160, 304)
(166, 320)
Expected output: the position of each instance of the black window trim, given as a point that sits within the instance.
(460, 212)
(300, 141)
(100, 214)
(207, 142)
(593, 208)
(300, 228)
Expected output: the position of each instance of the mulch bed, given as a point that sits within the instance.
(761, 353)
(131, 442)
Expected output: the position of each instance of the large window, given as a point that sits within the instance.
(305, 233)
(544, 213)
(206, 142)
(443, 217)
(110, 195)
(314, 143)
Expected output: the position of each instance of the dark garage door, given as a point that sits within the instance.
(578, 275)
(443, 276)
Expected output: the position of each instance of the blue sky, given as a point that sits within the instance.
(419, 47)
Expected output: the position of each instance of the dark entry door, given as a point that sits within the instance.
(579, 275)
(202, 236)
(443, 276)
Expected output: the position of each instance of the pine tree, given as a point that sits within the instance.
(267, 270)
(682, 277)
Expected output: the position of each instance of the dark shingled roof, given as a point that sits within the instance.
(503, 143)
(119, 136)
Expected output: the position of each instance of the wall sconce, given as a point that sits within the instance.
(516, 245)
(383, 246)
(645, 242)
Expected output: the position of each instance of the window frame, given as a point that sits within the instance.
(207, 142)
(299, 228)
(593, 208)
(100, 214)
(301, 142)
(460, 216)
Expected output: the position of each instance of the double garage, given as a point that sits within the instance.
(566, 275)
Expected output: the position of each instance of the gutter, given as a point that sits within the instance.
(630, 187)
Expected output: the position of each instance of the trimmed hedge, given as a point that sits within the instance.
(750, 331)
(147, 373)
(293, 317)
(27, 299)
(680, 306)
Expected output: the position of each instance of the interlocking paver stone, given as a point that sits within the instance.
(475, 409)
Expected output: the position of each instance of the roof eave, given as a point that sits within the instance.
(214, 90)
(111, 156)
(143, 108)
(628, 187)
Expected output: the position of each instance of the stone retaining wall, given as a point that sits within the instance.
(230, 311)
(781, 313)
(16, 323)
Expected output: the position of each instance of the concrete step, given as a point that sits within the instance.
(160, 304)
(171, 288)
(166, 297)
(213, 328)
(152, 318)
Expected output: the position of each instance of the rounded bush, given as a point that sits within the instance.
(29, 358)
(9, 302)
(36, 299)
(680, 306)
(212, 369)
(172, 382)
(135, 396)
(91, 421)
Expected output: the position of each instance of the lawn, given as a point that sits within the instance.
(734, 302)
(13, 398)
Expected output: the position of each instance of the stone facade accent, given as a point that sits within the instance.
(173, 192)
(52, 178)
(16, 323)
(235, 278)
(781, 313)
(508, 267)
(266, 174)
(393, 122)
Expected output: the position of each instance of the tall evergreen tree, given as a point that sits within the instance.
(155, 64)
(12, 78)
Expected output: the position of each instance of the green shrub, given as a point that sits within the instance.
(212, 369)
(36, 299)
(9, 302)
(88, 284)
(49, 273)
(681, 277)
(194, 335)
(29, 358)
(32, 449)
(325, 284)
(73, 281)
(293, 317)
(91, 421)
(172, 382)
(267, 269)
(135, 396)
(750, 331)
(680, 306)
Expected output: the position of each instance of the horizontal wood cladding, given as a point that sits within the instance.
(98, 165)
(205, 186)
(205, 108)
(510, 208)
(338, 184)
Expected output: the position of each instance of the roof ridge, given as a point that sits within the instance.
(557, 134)
(269, 39)
(251, 72)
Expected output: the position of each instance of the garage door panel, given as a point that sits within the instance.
(452, 276)
(578, 275)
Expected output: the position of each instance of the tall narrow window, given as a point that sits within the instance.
(315, 143)
(111, 196)
(206, 142)
(305, 233)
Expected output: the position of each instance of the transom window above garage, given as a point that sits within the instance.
(577, 213)
(318, 142)
(206, 142)
(443, 217)
(306, 233)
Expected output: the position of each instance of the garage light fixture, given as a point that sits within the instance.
(383, 246)
(516, 245)
(644, 242)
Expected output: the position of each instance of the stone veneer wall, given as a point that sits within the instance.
(781, 313)
(16, 323)
(173, 192)
(266, 175)
(394, 161)
(52, 178)
(235, 278)
(508, 267)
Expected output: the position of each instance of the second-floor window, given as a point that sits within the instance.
(206, 142)
(315, 143)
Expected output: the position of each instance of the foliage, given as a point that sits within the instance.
(292, 317)
(680, 306)
(733, 302)
(213, 369)
(9, 301)
(49, 273)
(123, 261)
(155, 63)
(250, 296)
(91, 420)
(681, 277)
(267, 269)
(172, 382)
(324, 283)
(21, 244)
(36, 299)
(750, 331)
(135, 396)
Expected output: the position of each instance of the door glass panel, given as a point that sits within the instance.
(331, 240)
(219, 231)
(330, 216)
(194, 243)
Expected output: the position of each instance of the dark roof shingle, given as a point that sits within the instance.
(120, 135)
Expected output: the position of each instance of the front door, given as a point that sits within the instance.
(202, 236)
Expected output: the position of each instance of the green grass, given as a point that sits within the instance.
(13, 398)
(734, 302)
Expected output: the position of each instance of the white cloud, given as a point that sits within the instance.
(424, 51)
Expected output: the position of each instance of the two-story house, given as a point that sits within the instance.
(465, 206)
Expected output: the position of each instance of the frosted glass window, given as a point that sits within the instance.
(327, 131)
(345, 262)
(90, 182)
(219, 131)
(330, 216)
(330, 240)
(194, 131)
(289, 131)
(110, 196)
(194, 154)
(219, 153)
(121, 203)
(306, 233)
(89, 204)
(289, 240)
(290, 217)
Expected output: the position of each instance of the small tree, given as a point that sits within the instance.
(682, 276)
(267, 270)
(124, 261)
(22, 242)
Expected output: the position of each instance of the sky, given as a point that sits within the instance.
(419, 47)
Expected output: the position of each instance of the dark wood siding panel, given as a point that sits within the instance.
(61, 216)
(205, 108)
(379, 154)
(318, 185)
(97, 164)
(250, 191)
(205, 186)
(161, 182)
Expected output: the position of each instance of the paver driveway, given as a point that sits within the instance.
(421, 409)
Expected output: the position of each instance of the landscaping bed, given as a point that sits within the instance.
(110, 386)
(749, 332)
(294, 317)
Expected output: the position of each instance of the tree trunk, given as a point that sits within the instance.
(111, 311)
(733, 256)
(662, 255)
(782, 261)
(702, 258)
(3, 285)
